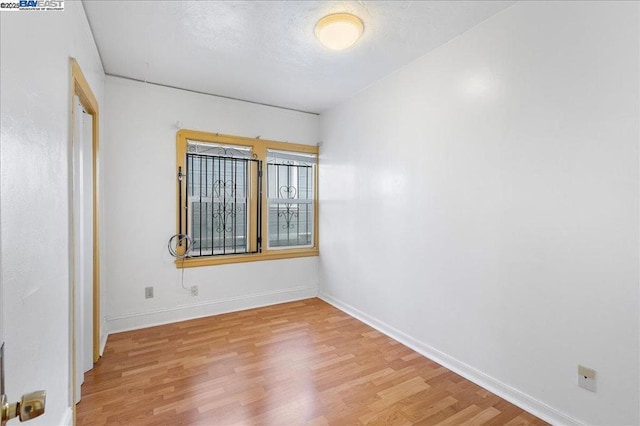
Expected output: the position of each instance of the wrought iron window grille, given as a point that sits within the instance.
(222, 200)
(290, 180)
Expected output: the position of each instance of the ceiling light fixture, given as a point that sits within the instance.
(339, 30)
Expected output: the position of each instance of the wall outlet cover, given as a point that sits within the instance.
(148, 292)
(587, 378)
(194, 290)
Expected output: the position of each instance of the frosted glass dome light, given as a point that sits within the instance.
(339, 30)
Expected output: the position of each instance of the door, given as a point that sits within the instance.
(83, 242)
(31, 405)
(84, 253)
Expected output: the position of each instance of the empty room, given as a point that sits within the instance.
(320, 212)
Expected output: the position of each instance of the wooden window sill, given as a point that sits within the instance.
(193, 262)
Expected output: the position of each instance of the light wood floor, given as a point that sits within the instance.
(296, 363)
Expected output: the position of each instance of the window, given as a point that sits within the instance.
(290, 196)
(220, 181)
(242, 199)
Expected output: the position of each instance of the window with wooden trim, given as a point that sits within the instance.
(242, 199)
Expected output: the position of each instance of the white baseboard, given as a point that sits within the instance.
(139, 320)
(504, 391)
(67, 418)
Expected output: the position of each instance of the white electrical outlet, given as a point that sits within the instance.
(194, 290)
(587, 378)
(148, 292)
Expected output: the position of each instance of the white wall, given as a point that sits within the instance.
(481, 204)
(140, 156)
(35, 127)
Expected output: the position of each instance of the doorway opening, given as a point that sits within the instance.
(84, 247)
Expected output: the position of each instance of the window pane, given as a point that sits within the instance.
(290, 197)
(290, 224)
(218, 150)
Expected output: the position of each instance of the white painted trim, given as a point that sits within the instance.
(516, 397)
(67, 418)
(137, 320)
(103, 342)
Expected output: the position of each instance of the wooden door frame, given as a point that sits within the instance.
(80, 88)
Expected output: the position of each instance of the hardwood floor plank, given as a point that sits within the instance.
(428, 405)
(295, 363)
(482, 417)
(460, 417)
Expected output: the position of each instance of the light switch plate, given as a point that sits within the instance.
(587, 378)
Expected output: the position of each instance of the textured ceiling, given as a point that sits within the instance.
(266, 51)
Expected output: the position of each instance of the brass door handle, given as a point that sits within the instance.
(31, 405)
